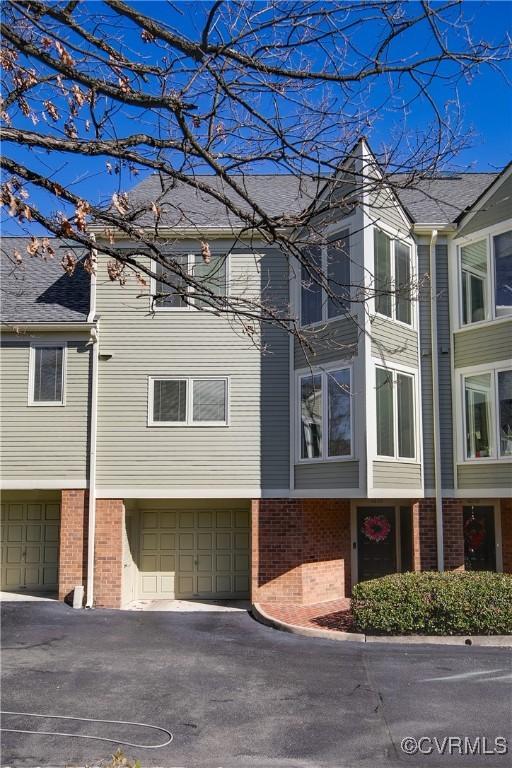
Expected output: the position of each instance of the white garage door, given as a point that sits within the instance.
(201, 554)
(30, 539)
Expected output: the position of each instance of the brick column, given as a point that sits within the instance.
(506, 534)
(300, 550)
(108, 554)
(424, 539)
(453, 535)
(73, 542)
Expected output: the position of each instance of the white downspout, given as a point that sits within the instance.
(92, 436)
(435, 404)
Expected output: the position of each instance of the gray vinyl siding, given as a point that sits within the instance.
(495, 210)
(444, 367)
(483, 345)
(327, 474)
(383, 207)
(253, 451)
(475, 475)
(44, 442)
(396, 474)
(392, 342)
(332, 341)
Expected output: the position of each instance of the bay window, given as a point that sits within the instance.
(485, 270)
(392, 276)
(395, 403)
(329, 265)
(487, 414)
(325, 414)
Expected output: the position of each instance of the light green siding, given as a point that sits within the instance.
(396, 474)
(253, 451)
(489, 344)
(384, 208)
(496, 209)
(327, 474)
(484, 475)
(47, 443)
(335, 340)
(392, 342)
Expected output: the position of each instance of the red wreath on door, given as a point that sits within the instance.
(376, 528)
(474, 533)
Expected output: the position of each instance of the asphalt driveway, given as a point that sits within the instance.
(236, 693)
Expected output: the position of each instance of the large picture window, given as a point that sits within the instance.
(486, 278)
(329, 264)
(46, 380)
(212, 277)
(393, 278)
(396, 434)
(188, 401)
(325, 414)
(487, 398)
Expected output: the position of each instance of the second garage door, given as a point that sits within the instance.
(194, 554)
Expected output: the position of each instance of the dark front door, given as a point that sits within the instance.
(479, 539)
(376, 542)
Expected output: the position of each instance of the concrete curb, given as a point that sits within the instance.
(497, 641)
(294, 629)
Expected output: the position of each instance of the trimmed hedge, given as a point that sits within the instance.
(432, 603)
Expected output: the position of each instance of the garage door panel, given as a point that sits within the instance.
(34, 533)
(34, 512)
(52, 512)
(32, 576)
(50, 554)
(15, 512)
(13, 577)
(14, 533)
(13, 555)
(201, 553)
(51, 532)
(150, 520)
(33, 555)
(49, 575)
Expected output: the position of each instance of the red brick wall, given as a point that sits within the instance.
(453, 535)
(424, 539)
(506, 534)
(108, 556)
(72, 541)
(300, 550)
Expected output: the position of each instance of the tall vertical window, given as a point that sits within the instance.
(393, 276)
(477, 398)
(311, 416)
(325, 415)
(329, 263)
(396, 435)
(212, 277)
(47, 375)
(505, 412)
(474, 282)
(503, 273)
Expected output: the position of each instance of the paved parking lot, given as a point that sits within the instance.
(236, 693)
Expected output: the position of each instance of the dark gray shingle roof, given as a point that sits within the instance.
(434, 200)
(38, 291)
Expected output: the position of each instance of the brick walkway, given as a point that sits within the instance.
(334, 614)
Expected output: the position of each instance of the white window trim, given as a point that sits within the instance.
(413, 373)
(189, 402)
(323, 372)
(460, 408)
(190, 264)
(31, 374)
(336, 234)
(488, 235)
(394, 237)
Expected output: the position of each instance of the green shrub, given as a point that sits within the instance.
(431, 603)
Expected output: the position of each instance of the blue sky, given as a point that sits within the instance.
(486, 103)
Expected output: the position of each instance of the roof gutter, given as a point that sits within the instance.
(435, 403)
(16, 327)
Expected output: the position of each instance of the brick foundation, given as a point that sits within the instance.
(108, 556)
(108, 559)
(506, 534)
(424, 538)
(453, 530)
(72, 541)
(300, 550)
